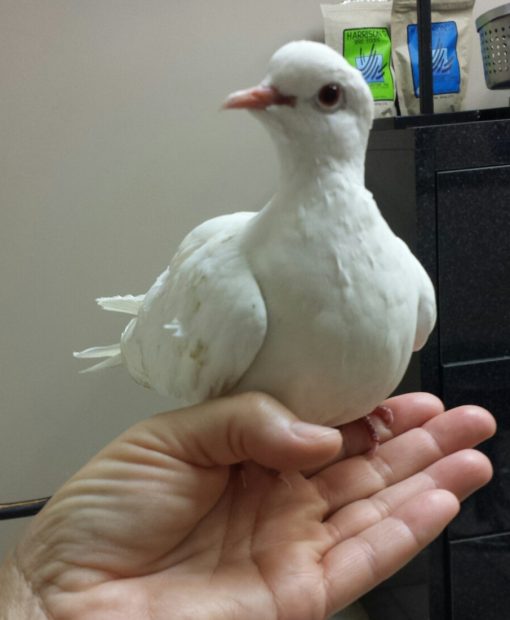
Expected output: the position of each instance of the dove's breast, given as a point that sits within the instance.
(342, 306)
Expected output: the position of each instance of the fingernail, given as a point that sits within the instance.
(312, 432)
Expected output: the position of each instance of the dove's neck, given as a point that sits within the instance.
(305, 168)
(306, 159)
(318, 182)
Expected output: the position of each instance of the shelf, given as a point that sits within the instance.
(446, 118)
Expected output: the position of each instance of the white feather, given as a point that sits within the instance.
(129, 304)
(110, 362)
(93, 352)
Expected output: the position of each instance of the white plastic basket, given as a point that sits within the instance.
(494, 30)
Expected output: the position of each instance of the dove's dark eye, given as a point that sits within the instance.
(329, 96)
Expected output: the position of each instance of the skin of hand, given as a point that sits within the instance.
(186, 516)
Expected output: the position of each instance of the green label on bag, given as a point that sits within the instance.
(369, 50)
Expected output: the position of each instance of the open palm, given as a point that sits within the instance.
(186, 516)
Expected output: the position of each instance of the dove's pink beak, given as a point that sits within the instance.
(257, 98)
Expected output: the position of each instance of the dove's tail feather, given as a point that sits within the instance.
(110, 352)
(129, 304)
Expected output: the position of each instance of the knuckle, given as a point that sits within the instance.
(259, 403)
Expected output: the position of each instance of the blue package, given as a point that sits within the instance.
(445, 63)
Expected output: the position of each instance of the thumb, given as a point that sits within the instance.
(249, 426)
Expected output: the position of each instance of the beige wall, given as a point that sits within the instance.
(112, 147)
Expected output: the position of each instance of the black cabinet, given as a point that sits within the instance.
(445, 188)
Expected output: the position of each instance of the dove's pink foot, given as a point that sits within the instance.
(385, 414)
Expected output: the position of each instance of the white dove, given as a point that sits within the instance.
(312, 300)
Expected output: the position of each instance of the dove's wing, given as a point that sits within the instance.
(426, 308)
(204, 320)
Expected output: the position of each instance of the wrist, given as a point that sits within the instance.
(17, 599)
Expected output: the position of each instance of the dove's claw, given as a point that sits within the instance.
(385, 414)
(375, 440)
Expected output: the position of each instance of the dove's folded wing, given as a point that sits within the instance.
(204, 320)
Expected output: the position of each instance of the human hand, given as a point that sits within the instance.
(165, 523)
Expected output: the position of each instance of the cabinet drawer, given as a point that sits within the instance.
(480, 578)
(486, 384)
(473, 217)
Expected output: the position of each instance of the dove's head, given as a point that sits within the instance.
(313, 101)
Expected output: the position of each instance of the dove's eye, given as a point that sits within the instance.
(329, 97)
